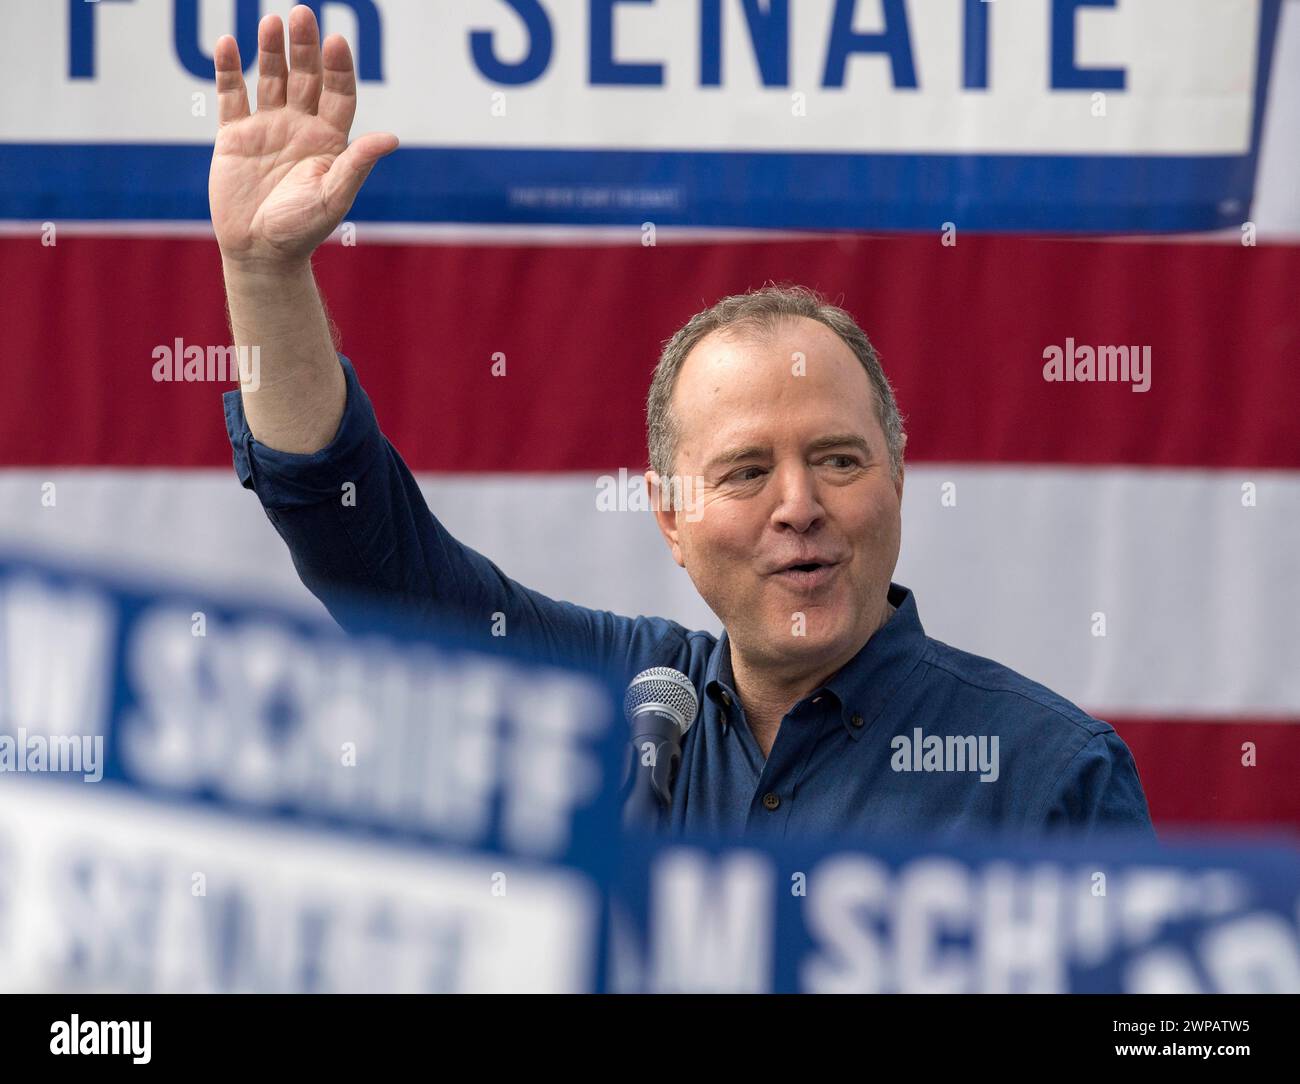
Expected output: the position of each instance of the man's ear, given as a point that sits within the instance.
(902, 469)
(665, 516)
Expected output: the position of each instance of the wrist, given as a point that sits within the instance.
(264, 272)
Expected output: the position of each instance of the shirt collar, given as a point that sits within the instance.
(863, 686)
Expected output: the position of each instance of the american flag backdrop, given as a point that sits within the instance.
(1139, 552)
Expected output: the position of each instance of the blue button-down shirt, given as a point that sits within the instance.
(910, 738)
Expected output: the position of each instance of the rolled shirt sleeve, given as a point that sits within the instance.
(283, 480)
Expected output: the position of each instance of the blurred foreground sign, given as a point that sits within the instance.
(206, 797)
(202, 795)
(898, 918)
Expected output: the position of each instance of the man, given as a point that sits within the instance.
(824, 706)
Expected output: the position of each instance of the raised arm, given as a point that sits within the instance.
(306, 439)
(282, 179)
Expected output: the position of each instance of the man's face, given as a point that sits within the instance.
(782, 451)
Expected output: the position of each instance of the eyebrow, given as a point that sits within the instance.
(759, 451)
(840, 440)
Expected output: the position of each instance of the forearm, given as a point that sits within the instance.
(294, 396)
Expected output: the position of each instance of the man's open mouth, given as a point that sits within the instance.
(807, 575)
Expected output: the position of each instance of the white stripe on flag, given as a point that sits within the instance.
(1201, 595)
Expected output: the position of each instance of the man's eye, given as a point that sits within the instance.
(844, 462)
(745, 474)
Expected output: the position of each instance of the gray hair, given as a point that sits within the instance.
(761, 310)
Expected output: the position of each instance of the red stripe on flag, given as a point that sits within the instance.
(1193, 771)
(962, 332)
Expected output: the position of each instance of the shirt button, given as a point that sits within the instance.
(726, 698)
(856, 721)
(771, 800)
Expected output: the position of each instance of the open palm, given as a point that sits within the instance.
(283, 178)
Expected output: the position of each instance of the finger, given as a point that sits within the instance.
(338, 100)
(232, 94)
(272, 68)
(351, 168)
(304, 60)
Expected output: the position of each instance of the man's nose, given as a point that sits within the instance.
(798, 506)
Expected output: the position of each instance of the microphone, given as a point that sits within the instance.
(660, 706)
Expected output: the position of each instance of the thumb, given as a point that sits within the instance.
(344, 178)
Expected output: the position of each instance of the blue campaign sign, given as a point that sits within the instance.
(1063, 115)
(208, 795)
(202, 794)
(1096, 917)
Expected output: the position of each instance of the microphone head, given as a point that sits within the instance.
(663, 689)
